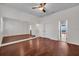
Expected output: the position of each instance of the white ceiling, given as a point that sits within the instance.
(51, 8)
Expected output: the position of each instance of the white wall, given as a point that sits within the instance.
(1, 29)
(49, 27)
(72, 15)
(14, 27)
(49, 24)
(12, 13)
(9, 12)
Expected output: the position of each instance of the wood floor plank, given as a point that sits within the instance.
(40, 47)
(7, 39)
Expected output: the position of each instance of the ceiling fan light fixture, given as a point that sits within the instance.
(41, 8)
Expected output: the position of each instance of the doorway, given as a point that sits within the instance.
(63, 30)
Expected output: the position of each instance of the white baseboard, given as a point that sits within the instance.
(60, 40)
(5, 44)
(31, 39)
(73, 43)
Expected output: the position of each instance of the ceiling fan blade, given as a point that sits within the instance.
(42, 4)
(34, 7)
(40, 7)
(44, 10)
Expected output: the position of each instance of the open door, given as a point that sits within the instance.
(63, 30)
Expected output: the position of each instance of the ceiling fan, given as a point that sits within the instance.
(41, 7)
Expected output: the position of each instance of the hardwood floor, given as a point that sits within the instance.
(40, 47)
(7, 39)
